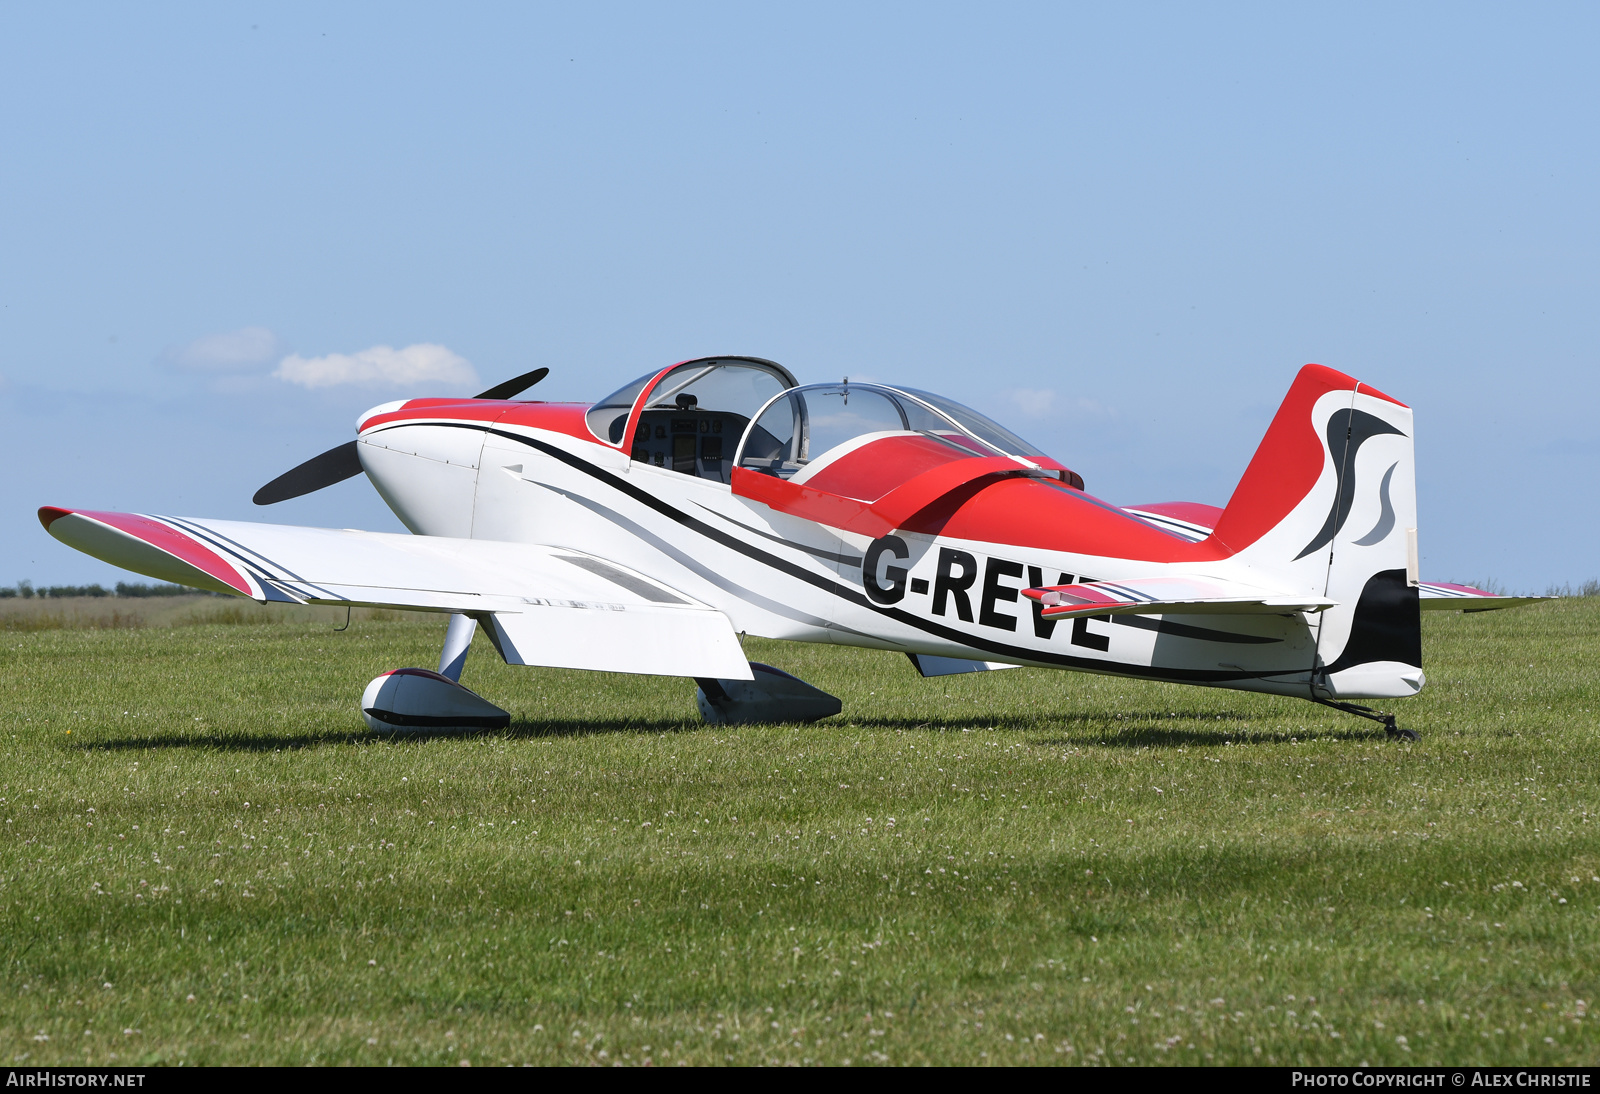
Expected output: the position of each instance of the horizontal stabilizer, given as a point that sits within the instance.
(1439, 596)
(1169, 596)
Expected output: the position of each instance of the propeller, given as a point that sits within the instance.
(334, 465)
(515, 386)
(344, 462)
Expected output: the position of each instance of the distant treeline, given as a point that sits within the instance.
(26, 591)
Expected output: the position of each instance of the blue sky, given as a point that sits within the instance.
(1119, 229)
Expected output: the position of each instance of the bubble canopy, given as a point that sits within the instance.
(812, 424)
(733, 385)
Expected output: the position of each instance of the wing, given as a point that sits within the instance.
(1438, 596)
(1169, 596)
(540, 605)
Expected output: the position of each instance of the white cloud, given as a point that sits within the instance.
(1032, 402)
(245, 350)
(380, 366)
(1045, 402)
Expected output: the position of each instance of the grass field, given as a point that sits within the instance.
(205, 859)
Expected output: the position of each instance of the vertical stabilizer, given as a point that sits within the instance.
(1328, 505)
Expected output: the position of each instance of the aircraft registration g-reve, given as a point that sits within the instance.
(716, 498)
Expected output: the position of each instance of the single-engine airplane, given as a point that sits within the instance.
(647, 532)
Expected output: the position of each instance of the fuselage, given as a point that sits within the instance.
(946, 583)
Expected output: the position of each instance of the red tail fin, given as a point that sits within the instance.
(1328, 506)
(1286, 465)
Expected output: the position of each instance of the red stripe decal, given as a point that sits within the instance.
(163, 538)
(1368, 389)
(565, 418)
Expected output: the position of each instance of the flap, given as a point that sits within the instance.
(652, 641)
(1173, 595)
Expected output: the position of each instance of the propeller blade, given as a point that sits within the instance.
(515, 386)
(338, 464)
(334, 465)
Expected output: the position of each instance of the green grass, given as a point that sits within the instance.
(205, 860)
(20, 614)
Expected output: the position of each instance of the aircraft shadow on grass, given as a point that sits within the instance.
(1140, 729)
(284, 742)
(1134, 729)
(1171, 736)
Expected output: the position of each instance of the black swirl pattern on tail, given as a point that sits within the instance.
(1348, 430)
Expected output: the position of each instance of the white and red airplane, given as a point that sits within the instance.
(716, 498)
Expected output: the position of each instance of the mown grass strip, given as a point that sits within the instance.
(206, 859)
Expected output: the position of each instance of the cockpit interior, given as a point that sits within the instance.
(693, 415)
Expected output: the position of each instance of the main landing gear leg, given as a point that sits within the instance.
(1390, 729)
(457, 640)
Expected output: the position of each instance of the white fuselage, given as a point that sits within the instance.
(780, 576)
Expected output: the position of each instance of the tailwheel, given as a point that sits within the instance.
(1397, 733)
(1391, 729)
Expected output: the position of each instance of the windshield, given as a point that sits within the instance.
(608, 418)
(733, 386)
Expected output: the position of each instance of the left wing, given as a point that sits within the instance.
(540, 605)
(1169, 596)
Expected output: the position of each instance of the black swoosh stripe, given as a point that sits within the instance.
(831, 556)
(263, 576)
(243, 555)
(692, 565)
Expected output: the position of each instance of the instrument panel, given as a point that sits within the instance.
(689, 440)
